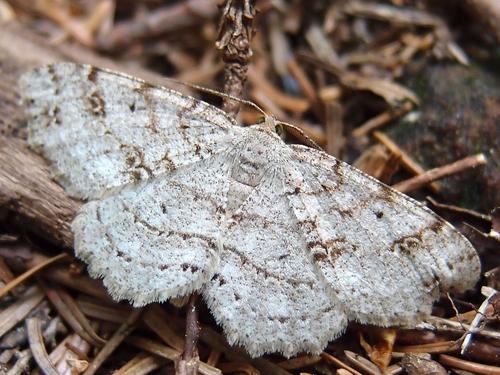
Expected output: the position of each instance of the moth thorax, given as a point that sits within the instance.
(251, 163)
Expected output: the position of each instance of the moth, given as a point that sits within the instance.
(286, 243)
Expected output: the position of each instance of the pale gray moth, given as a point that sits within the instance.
(285, 243)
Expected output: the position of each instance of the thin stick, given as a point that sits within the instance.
(478, 318)
(382, 119)
(474, 367)
(452, 326)
(21, 278)
(120, 334)
(406, 161)
(461, 165)
(192, 330)
(334, 360)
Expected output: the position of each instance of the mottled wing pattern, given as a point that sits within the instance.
(286, 243)
(158, 161)
(102, 130)
(383, 255)
(158, 239)
(265, 293)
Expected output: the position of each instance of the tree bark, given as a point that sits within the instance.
(27, 190)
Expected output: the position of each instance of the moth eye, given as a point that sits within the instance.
(279, 129)
(260, 120)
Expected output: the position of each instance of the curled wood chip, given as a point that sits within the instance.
(33, 327)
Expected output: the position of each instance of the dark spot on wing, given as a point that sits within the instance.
(51, 71)
(311, 245)
(169, 164)
(136, 175)
(437, 226)
(121, 254)
(216, 276)
(92, 74)
(96, 104)
(130, 160)
(347, 212)
(319, 257)
(387, 194)
(308, 224)
(197, 149)
(408, 245)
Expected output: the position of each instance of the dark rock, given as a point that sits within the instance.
(459, 116)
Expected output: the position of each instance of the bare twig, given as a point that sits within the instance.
(192, 329)
(18, 280)
(121, 333)
(417, 182)
(337, 362)
(362, 363)
(381, 119)
(447, 324)
(189, 363)
(433, 347)
(476, 368)
(406, 161)
(235, 33)
(478, 319)
(54, 294)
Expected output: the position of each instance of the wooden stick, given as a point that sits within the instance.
(337, 362)
(382, 119)
(21, 278)
(476, 368)
(121, 333)
(192, 329)
(461, 165)
(406, 161)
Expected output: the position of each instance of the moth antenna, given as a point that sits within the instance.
(220, 94)
(308, 139)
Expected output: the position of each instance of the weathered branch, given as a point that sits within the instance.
(235, 34)
(27, 189)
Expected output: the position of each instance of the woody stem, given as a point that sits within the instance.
(192, 329)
